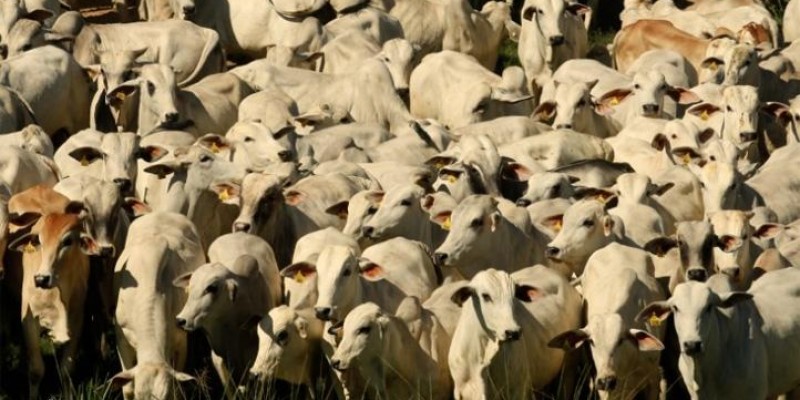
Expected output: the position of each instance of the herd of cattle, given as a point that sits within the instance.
(345, 196)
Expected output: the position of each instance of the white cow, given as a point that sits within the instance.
(31, 138)
(506, 322)
(152, 349)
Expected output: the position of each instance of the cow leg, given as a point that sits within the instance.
(224, 376)
(127, 359)
(31, 333)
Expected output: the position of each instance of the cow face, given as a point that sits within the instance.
(696, 243)
(338, 282)
(471, 226)
(158, 104)
(584, 228)
(572, 107)
(282, 341)
(547, 186)
(362, 334)
(151, 381)
(740, 107)
(399, 213)
(721, 184)
(12, 11)
(734, 233)
(491, 296)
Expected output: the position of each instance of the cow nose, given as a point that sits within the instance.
(697, 274)
(323, 313)
(171, 117)
(564, 126)
(43, 281)
(552, 252)
(188, 9)
(285, 155)
(440, 258)
(512, 335)
(3, 50)
(336, 364)
(181, 322)
(747, 136)
(692, 347)
(650, 109)
(241, 227)
(124, 184)
(607, 383)
(367, 231)
(556, 40)
(523, 202)
(106, 251)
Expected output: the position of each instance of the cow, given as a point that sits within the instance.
(710, 321)
(21, 169)
(55, 278)
(12, 11)
(31, 138)
(737, 252)
(54, 85)
(111, 157)
(161, 246)
(162, 105)
(696, 245)
(400, 214)
(552, 32)
(388, 357)
(15, 112)
(482, 94)
(506, 321)
(220, 297)
(624, 350)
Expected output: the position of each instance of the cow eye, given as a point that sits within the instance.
(67, 242)
(486, 298)
(364, 330)
(476, 223)
(282, 338)
(210, 289)
(151, 87)
(405, 203)
(588, 223)
(205, 158)
(728, 108)
(581, 103)
(372, 210)
(26, 47)
(346, 272)
(248, 139)
(637, 86)
(674, 309)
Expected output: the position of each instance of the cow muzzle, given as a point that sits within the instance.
(697, 274)
(553, 253)
(606, 383)
(323, 313)
(650, 110)
(556, 40)
(746, 137)
(3, 51)
(511, 335)
(338, 365)
(43, 281)
(693, 347)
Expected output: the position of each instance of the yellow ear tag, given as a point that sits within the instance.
(29, 248)
(451, 178)
(84, 161)
(686, 158)
(120, 96)
(654, 321)
(439, 165)
(299, 277)
(446, 224)
(614, 101)
(557, 226)
(214, 148)
(713, 66)
(704, 115)
(224, 195)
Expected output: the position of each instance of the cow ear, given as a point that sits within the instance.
(233, 289)
(659, 190)
(660, 245)
(461, 295)
(513, 30)
(778, 110)
(443, 219)
(712, 63)
(605, 105)
(228, 192)
(162, 170)
(27, 243)
(135, 208)
(544, 112)
(683, 96)
(293, 197)
(733, 298)
(39, 15)
(598, 194)
(654, 313)
(299, 271)
(729, 243)
(706, 135)
(704, 111)
(125, 89)
(516, 172)
(644, 340)
(440, 161)
(121, 379)
(86, 155)
(339, 209)
(660, 142)
(426, 202)
(336, 329)
(183, 377)
(608, 225)
(88, 245)
(554, 222)
(372, 272)
(376, 197)
(151, 153)
(93, 71)
(527, 293)
(75, 207)
(24, 220)
(569, 340)
(768, 231)
(182, 281)
(214, 143)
